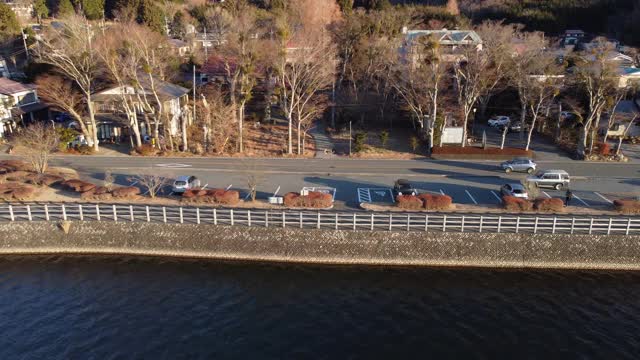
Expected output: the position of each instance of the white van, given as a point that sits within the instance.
(557, 179)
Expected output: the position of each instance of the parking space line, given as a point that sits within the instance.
(604, 198)
(472, 199)
(496, 195)
(441, 192)
(229, 187)
(582, 201)
(547, 195)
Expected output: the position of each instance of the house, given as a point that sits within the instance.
(573, 37)
(4, 69)
(19, 103)
(111, 117)
(179, 47)
(23, 9)
(450, 41)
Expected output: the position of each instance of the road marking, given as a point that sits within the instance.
(582, 201)
(441, 192)
(604, 198)
(229, 187)
(174, 165)
(133, 183)
(472, 199)
(276, 192)
(547, 195)
(205, 186)
(364, 195)
(496, 195)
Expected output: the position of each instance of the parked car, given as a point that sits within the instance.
(499, 121)
(567, 115)
(514, 189)
(519, 164)
(557, 179)
(184, 183)
(403, 187)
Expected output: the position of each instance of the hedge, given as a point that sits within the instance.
(436, 202)
(314, 199)
(549, 204)
(409, 202)
(627, 206)
(78, 185)
(214, 196)
(125, 192)
(20, 192)
(512, 203)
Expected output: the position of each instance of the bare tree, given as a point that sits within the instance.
(37, 141)
(70, 50)
(614, 101)
(108, 179)
(624, 134)
(302, 75)
(254, 178)
(62, 95)
(153, 183)
(215, 115)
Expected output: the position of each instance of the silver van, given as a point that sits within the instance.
(557, 179)
(184, 183)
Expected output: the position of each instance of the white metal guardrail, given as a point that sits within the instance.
(435, 222)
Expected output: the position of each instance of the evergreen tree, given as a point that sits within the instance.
(65, 7)
(151, 15)
(93, 9)
(346, 6)
(9, 25)
(40, 10)
(178, 25)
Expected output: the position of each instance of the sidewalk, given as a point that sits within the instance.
(324, 145)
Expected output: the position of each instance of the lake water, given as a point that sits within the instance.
(108, 308)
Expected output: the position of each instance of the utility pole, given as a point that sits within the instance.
(350, 137)
(24, 42)
(204, 44)
(194, 93)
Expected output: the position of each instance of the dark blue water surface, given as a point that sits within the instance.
(107, 308)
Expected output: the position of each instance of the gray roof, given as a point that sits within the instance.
(448, 37)
(166, 90)
(10, 87)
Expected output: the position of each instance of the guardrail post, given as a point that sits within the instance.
(249, 218)
(64, 213)
(164, 214)
(517, 224)
(354, 221)
(372, 221)
(318, 224)
(609, 227)
(462, 225)
(336, 221)
(146, 210)
(181, 217)
(390, 220)
(408, 222)
(46, 212)
(628, 226)
(573, 224)
(131, 213)
(79, 211)
(115, 214)
(97, 212)
(266, 218)
(426, 223)
(499, 223)
(553, 229)
(300, 215)
(215, 217)
(444, 223)
(284, 219)
(480, 227)
(535, 226)
(230, 215)
(198, 215)
(590, 226)
(11, 213)
(29, 212)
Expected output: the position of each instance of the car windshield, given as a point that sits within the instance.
(180, 183)
(518, 191)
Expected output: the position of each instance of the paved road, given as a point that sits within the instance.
(594, 184)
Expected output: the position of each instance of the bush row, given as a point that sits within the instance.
(89, 191)
(424, 201)
(514, 204)
(18, 192)
(314, 199)
(627, 206)
(214, 196)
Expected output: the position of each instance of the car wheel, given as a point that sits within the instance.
(558, 187)
(508, 170)
(530, 170)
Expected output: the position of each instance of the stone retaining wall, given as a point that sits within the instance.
(327, 247)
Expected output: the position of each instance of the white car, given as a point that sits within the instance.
(184, 183)
(499, 121)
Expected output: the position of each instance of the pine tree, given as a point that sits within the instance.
(178, 25)
(93, 9)
(40, 9)
(9, 25)
(65, 7)
(151, 15)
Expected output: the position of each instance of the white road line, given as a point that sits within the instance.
(604, 198)
(277, 191)
(229, 187)
(496, 195)
(441, 192)
(582, 201)
(472, 199)
(547, 195)
(205, 186)
(133, 183)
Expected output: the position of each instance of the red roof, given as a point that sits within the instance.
(216, 65)
(10, 87)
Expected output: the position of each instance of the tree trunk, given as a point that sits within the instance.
(298, 133)
(582, 143)
(504, 136)
(290, 135)
(533, 123)
(184, 121)
(241, 127)
(135, 128)
(93, 129)
(464, 129)
(523, 117)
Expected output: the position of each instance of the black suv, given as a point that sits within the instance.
(404, 187)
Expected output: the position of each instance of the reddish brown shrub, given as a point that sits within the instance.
(102, 197)
(99, 190)
(549, 204)
(15, 165)
(78, 185)
(314, 199)
(24, 193)
(627, 206)
(125, 192)
(291, 199)
(87, 195)
(409, 202)
(189, 194)
(18, 176)
(436, 202)
(512, 203)
(229, 197)
(604, 149)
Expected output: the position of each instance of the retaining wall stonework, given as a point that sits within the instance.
(324, 246)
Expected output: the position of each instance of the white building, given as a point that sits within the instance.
(18, 103)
